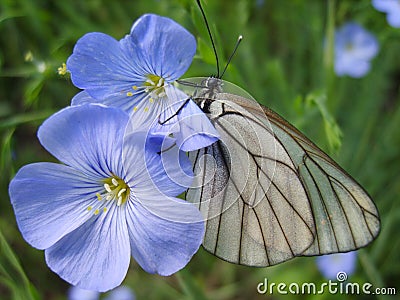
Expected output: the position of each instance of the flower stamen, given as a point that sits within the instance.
(114, 182)
(107, 187)
(121, 192)
(155, 86)
(116, 189)
(148, 80)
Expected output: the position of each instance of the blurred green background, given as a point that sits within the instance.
(282, 62)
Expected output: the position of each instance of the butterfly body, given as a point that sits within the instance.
(268, 193)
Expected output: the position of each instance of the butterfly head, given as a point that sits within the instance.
(214, 84)
(210, 87)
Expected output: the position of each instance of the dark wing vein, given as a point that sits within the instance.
(260, 168)
(323, 204)
(331, 195)
(313, 153)
(218, 150)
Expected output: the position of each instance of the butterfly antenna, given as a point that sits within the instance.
(231, 56)
(210, 35)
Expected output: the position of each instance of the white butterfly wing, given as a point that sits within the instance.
(257, 209)
(269, 194)
(345, 216)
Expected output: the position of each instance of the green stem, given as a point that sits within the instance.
(372, 272)
(13, 275)
(25, 118)
(189, 286)
(329, 53)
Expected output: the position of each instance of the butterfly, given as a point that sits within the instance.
(267, 192)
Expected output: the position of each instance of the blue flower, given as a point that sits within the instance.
(330, 265)
(137, 73)
(110, 197)
(120, 293)
(75, 293)
(354, 48)
(391, 8)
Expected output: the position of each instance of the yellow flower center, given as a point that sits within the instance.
(154, 85)
(62, 70)
(115, 189)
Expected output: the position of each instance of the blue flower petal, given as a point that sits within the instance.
(393, 17)
(96, 255)
(164, 234)
(159, 142)
(156, 45)
(391, 8)
(86, 137)
(50, 200)
(189, 125)
(169, 47)
(75, 293)
(147, 172)
(352, 67)
(83, 98)
(145, 114)
(330, 265)
(354, 40)
(121, 293)
(383, 5)
(114, 100)
(178, 169)
(196, 130)
(354, 48)
(99, 65)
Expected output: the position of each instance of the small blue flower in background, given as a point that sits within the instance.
(354, 48)
(120, 293)
(109, 199)
(136, 75)
(330, 265)
(391, 8)
(75, 293)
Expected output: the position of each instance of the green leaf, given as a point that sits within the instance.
(13, 276)
(25, 118)
(205, 51)
(332, 130)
